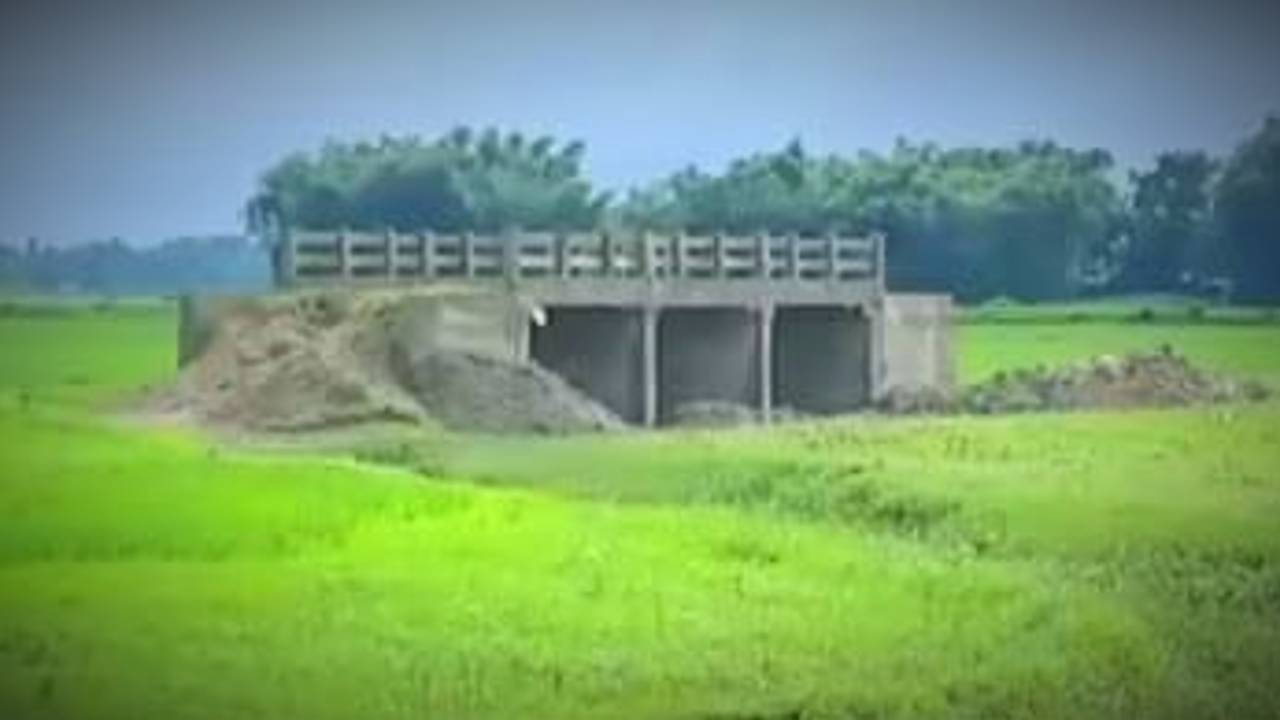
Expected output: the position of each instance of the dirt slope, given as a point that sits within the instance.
(320, 361)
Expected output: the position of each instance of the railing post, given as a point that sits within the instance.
(427, 254)
(344, 254)
(391, 252)
(879, 249)
(793, 255)
(717, 255)
(647, 260)
(764, 263)
(606, 253)
(829, 241)
(563, 264)
(466, 254)
(511, 255)
(677, 255)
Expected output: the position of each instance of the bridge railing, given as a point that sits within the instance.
(318, 258)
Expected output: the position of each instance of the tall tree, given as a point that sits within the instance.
(484, 182)
(1248, 214)
(1170, 223)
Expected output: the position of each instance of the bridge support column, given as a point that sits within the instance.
(877, 365)
(649, 363)
(765, 335)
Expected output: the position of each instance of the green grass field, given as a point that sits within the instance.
(1118, 565)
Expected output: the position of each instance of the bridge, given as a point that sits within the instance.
(646, 323)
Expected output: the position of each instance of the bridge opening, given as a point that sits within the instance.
(821, 358)
(597, 350)
(707, 354)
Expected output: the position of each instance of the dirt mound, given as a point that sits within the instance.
(465, 391)
(281, 366)
(713, 413)
(722, 413)
(310, 362)
(1158, 379)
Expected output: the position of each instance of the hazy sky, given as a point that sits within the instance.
(151, 119)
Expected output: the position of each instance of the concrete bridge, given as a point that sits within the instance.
(647, 323)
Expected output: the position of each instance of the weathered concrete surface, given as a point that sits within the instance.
(707, 354)
(918, 348)
(490, 324)
(197, 323)
(598, 350)
(821, 359)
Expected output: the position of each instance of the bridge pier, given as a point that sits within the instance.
(649, 350)
(764, 318)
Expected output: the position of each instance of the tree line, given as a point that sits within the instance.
(112, 267)
(1033, 221)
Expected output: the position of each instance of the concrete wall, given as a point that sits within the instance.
(599, 351)
(197, 324)
(707, 354)
(821, 358)
(490, 324)
(918, 342)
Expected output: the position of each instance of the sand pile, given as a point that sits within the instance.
(321, 361)
(476, 393)
(1158, 379)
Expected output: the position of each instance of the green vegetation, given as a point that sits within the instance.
(1122, 565)
(1241, 342)
(485, 182)
(1035, 221)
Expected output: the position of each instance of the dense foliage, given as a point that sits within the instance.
(1035, 221)
(1169, 224)
(1248, 214)
(1022, 221)
(461, 181)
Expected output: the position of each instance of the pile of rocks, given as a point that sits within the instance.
(1158, 379)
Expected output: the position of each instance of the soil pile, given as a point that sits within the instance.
(1158, 379)
(722, 413)
(470, 392)
(321, 361)
(713, 413)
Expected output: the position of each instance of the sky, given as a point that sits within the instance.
(147, 120)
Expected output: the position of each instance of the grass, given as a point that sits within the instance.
(1084, 565)
(1245, 350)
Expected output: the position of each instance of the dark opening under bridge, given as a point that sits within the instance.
(648, 323)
